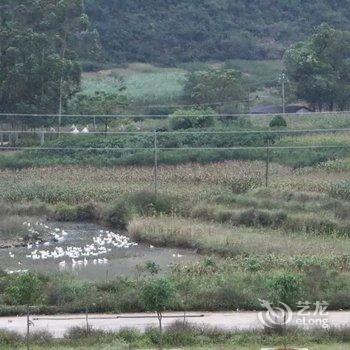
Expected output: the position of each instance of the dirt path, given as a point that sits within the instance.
(58, 325)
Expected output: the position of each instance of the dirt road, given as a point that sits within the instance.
(58, 325)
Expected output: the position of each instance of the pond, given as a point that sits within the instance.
(89, 252)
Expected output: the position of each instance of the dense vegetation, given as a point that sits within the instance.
(319, 68)
(276, 229)
(40, 43)
(178, 335)
(184, 129)
(169, 32)
(249, 238)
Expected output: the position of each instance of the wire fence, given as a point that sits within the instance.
(87, 319)
(151, 116)
(155, 142)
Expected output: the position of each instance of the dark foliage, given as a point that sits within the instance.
(168, 32)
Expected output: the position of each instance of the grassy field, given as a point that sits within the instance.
(196, 144)
(289, 239)
(250, 236)
(146, 84)
(182, 336)
(118, 346)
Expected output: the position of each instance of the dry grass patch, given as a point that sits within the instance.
(233, 241)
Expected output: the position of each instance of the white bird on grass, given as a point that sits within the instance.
(85, 130)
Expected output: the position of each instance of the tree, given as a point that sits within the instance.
(38, 52)
(24, 289)
(278, 122)
(319, 68)
(102, 103)
(192, 118)
(213, 86)
(156, 296)
(286, 288)
(170, 32)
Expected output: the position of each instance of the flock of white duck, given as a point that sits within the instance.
(93, 253)
(75, 130)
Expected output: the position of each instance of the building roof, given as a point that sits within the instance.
(273, 109)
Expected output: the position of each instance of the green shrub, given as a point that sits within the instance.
(10, 338)
(65, 212)
(286, 288)
(129, 335)
(244, 184)
(24, 290)
(252, 264)
(41, 337)
(192, 118)
(340, 190)
(119, 215)
(278, 122)
(264, 218)
(148, 202)
(80, 333)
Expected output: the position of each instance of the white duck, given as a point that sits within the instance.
(75, 131)
(85, 130)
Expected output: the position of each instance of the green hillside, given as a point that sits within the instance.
(167, 31)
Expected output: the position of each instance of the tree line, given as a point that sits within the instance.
(40, 44)
(43, 41)
(169, 32)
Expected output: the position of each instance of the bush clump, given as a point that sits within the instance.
(278, 122)
(150, 203)
(69, 213)
(140, 203)
(192, 118)
(286, 288)
(340, 190)
(119, 215)
(264, 218)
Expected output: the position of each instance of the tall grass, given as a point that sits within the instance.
(233, 240)
(145, 84)
(180, 335)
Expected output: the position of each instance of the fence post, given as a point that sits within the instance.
(42, 138)
(155, 162)
(28, 328)
(267, 163)
(87, 320)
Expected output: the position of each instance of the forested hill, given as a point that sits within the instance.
(169, 31)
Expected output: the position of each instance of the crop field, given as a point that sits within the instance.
(144, 83)
(177, 336)
(200, 182)
(117, 346)
(249, 234)
(251, 229)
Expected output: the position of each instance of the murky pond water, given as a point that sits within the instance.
(90, 252)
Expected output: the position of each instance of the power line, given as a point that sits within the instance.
(174, 148)
(192, 105)
(123, 116)
(291, 131)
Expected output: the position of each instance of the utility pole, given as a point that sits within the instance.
(155, 162)
(60, 106)
(282, 78)
(28, 327)
(267, 163)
